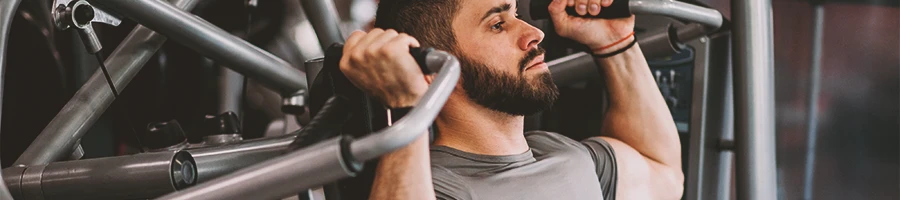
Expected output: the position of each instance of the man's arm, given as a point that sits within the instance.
(640, 129)
(379, 63)
(405, 173)
(638, 125)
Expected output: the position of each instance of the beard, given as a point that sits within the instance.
(513, 94)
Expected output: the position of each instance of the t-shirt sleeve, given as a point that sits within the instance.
(605, 160)
(447, 185)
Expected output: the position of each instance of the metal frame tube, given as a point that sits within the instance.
(278, 178)
(680, 10)
(324, 162)
(754, 99)
(212, 41)
(213, 162)
(321, 14)
(93, 98)
(815, 79)
(7, 11)
(144, 175)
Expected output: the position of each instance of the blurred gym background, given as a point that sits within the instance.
(857, 148)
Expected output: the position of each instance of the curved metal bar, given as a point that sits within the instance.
(419, 118)
(7, 11)
(93, 98)
(680, 10)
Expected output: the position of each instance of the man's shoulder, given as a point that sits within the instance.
(545, 142)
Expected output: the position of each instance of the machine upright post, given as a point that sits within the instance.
(754, 99)
(7, 11)
(815, 71)
(321, 14)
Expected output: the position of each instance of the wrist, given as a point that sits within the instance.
(611, 47)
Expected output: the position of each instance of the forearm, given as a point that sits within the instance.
(638, 115)
(405, 173)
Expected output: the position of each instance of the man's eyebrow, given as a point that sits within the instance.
(498, 9)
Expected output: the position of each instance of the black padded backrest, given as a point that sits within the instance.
(368, 115)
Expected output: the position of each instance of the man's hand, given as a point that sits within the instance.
(379, 63)
(593, 32)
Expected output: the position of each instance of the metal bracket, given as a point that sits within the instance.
(61, 7)
(80, 14)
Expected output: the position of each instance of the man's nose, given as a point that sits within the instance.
(531, 36)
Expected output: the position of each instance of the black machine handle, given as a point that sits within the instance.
(618, 9)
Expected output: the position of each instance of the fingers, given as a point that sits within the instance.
(606, 3)
(353, 40)
(399, 45)
(557, 10)
(581, 7)
(375, 47)
(593, 7)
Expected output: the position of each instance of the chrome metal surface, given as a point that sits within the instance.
(680, 10)
(212, 41)
(275, 178)
(221, 139)
(213, 162)
(754, 99)
(145, 175)
(712, 120)
(812, 115)
(231, 91)
(77, 153)
(90, 39)
(59, 8)
(7, 12)
(322, 16)
(92, 99)
(296, 100)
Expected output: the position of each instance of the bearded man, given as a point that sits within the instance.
(481, 151)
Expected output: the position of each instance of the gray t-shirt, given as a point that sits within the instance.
(555, 167)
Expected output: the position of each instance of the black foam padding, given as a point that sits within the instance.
(618, 9)
(326, 124)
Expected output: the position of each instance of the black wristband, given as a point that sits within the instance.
(617, 52)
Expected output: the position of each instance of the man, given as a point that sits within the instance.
(481, 151)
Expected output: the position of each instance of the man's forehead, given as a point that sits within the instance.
(476, 8)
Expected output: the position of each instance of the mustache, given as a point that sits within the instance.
(533, 53)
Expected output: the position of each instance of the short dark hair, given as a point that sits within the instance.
(429, 21)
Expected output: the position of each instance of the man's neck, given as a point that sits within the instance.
(469, 127)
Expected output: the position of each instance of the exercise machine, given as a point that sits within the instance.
(224, 166)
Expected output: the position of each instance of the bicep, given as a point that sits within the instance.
(643, 178)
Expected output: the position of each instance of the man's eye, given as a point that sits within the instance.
(498, 25)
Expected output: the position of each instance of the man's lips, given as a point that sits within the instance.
(536, 62)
